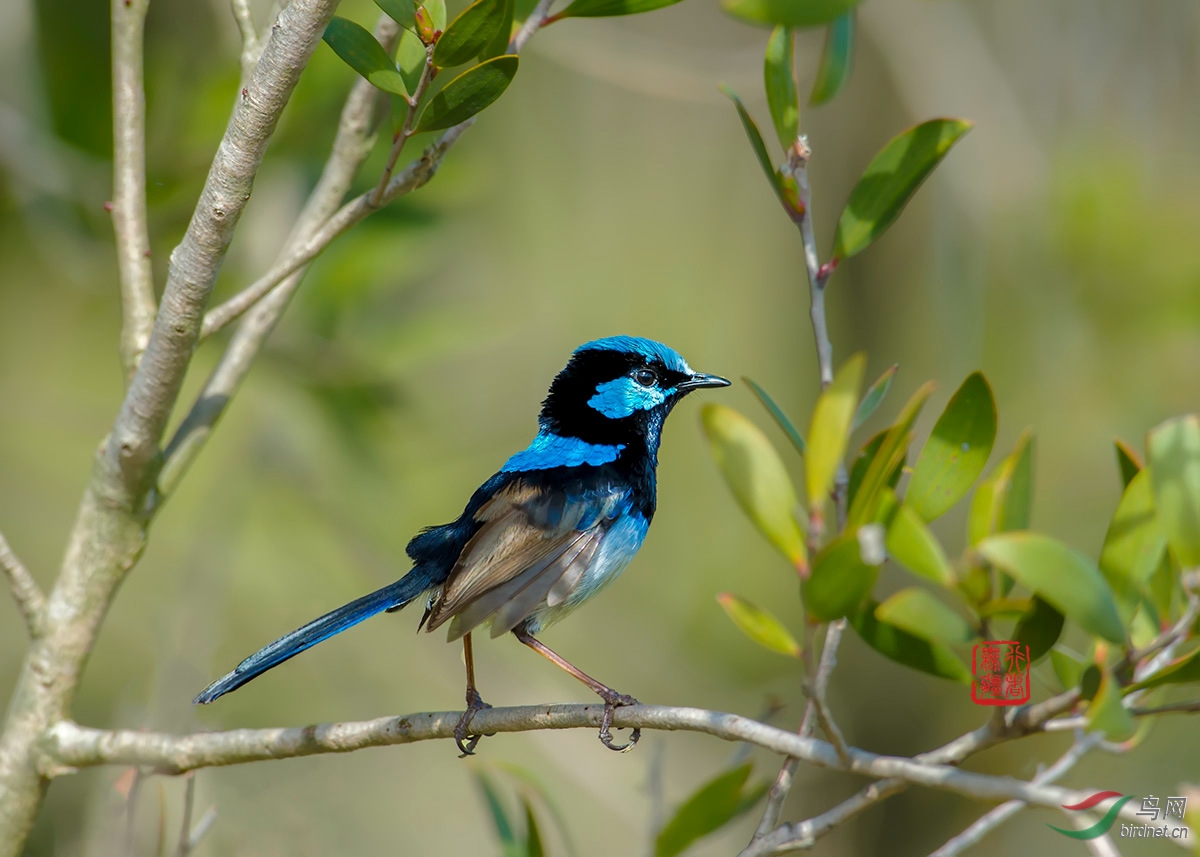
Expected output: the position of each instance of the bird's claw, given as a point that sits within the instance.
(467, 743)
(611, 703)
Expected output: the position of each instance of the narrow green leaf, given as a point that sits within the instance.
(890, 181)
(1127, 460)
(611, 8)
(759, 625)
(709, 808)
(1183, 670)
(400, 11)
(533, 835)
(1061, 575)
(1173, 455)
(779, 77)
(1011, 607)
(788, 13)
(862, 462)
(498, 46)
(756, 142)
(1067, 668)
(776, 412)
(469, 93)
(410, 56)
(1106, 713)
(758, 479)
(874, 396)
(830, 429)
(902, 647)
(1133, 546)
(910, 543)
(956, 452)
(1089, 681)
(922, 614)
(1039, 629)
(509, 843)
(843, 574)
(437, 13)
(891, 454)
(1163, 585)
(1003, 500)
(358, 49)
(536, 786)
(836, 59)
(469, 33)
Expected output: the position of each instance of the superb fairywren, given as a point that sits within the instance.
(558, 523)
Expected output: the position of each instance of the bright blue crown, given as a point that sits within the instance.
(647, 348)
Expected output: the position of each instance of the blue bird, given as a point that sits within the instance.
(557, 524)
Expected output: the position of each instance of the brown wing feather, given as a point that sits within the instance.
(577, 556)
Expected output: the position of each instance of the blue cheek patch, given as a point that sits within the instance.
(624, 397)
(550, 450)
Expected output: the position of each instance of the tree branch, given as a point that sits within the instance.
(129, 182)
(133, 446)
(251, 48)
(68, 746)
(25, 591)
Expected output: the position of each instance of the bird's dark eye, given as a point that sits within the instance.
(645, 377)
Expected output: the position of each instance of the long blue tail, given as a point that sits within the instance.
(391, 597)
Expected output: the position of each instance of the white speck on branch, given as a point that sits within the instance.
(129, 182)
(25, 591)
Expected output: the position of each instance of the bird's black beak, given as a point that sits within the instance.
(701, 380)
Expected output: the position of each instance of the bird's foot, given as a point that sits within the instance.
(467, 743)
(613, 701)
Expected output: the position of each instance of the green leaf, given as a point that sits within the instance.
(437, 13)
(1061, 575)
(610, 8)
(533, 836)
(788, 13)
(862, 463)
(358, 49)
(874, 396)
(956, 452)
(1106, 713)
(469, 93)
(836, 59)
(400, 11)
(1067, 668)
(756, 142)
(1127, 461)
(1003, 500)
(1039, 629)
(779, 77)
(758, 479)
(509, 844)
(776, 412)
(910, 543)
(1183, 670)
(1173, 455)
(843, 573)
(410, 56)
(890, 455)
(469, 33)
(902, 647)
(759, 625)
(710, 808)
(922, 614)
(498, 46)
(1133, 546)
(830, 429)
(890, 181)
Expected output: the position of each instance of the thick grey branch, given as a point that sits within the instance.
(25, 591)
(129, 182)
(133, 445)
(68, 746)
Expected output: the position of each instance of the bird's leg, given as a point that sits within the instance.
(612, 699)
(467, 743)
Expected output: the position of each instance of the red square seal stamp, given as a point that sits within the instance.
(1001, 673)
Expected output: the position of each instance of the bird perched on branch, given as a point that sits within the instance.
(558, 523)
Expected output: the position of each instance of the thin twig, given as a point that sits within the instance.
(135, 788)
(202, 827)
(25, 591)
(993, 819)
(129, 182)
(406, 129)
(251, 47)
(185, 826)
(804, 834)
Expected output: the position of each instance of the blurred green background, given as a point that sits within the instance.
(610, 191)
